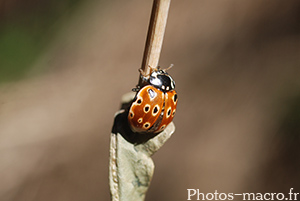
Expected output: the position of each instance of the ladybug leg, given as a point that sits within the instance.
(153, 68)
(137, 88)
(142, 72)
(143, 76)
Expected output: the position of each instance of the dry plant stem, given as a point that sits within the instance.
(155, 35)
(131, 167)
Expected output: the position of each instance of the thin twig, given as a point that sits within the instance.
(155, 35)
(131, 167)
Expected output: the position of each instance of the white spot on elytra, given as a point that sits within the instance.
(175, 98)
(139, 101)
(168, 112)
(162, 127)
(140, 120)
(131, 114)
(152, 93)
(173, 113)
(146, 125)
(147, 108)
(155, 110)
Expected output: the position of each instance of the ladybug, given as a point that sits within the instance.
(154, 105)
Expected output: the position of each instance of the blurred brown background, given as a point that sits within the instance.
(64, 66)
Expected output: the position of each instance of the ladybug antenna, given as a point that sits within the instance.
(169, 67)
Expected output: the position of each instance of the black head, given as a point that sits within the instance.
(162, 80)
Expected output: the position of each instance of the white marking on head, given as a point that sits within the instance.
(156, 82)
(172, 84)
(154, 74)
